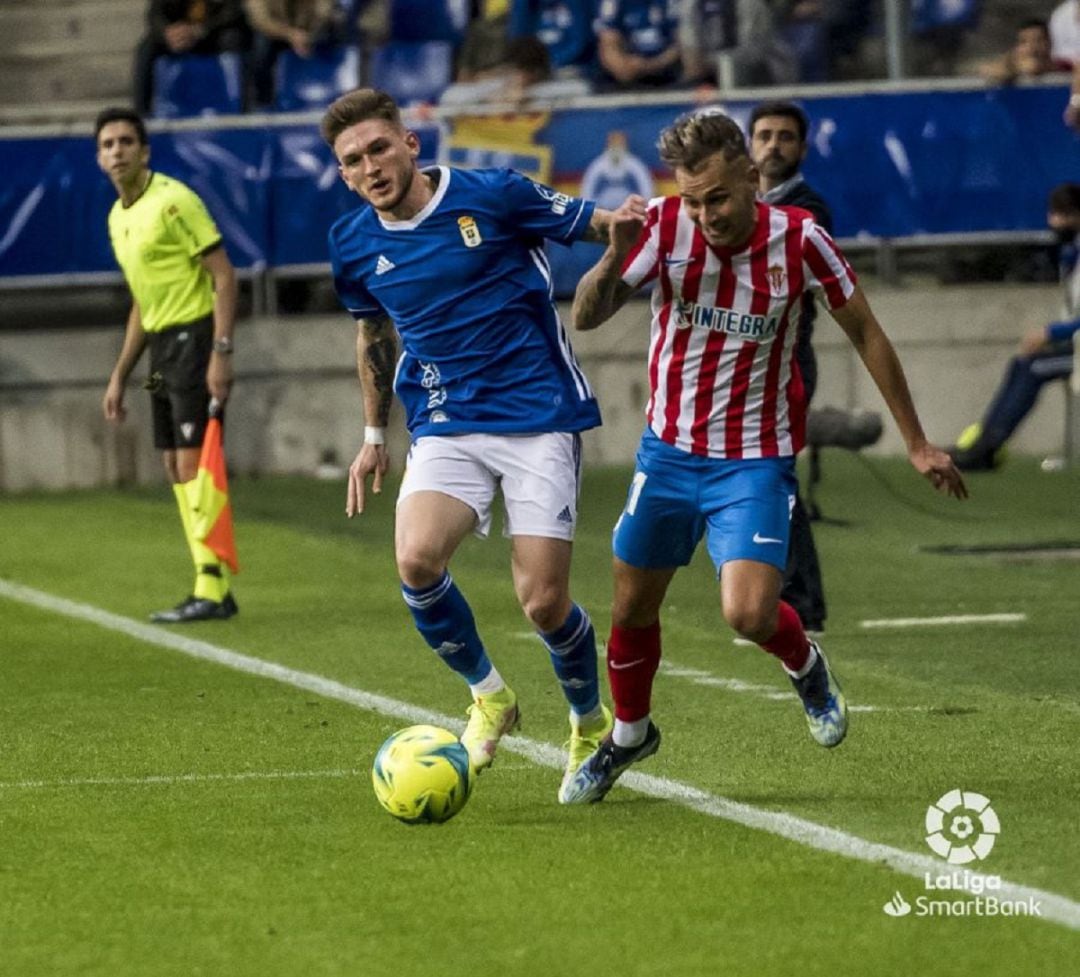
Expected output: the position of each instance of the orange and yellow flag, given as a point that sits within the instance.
(208, 499)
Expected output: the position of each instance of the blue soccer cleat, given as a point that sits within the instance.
(597, 775)
(824, 702)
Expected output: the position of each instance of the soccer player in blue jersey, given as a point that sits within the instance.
(493, 396)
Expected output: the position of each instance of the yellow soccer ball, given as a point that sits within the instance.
(421, 775)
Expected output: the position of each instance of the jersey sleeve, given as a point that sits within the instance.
(827, 271)
(642, 264)
(351, 290)
(537, 209)
(190, 222)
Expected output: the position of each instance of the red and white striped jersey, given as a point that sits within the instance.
(722, 375)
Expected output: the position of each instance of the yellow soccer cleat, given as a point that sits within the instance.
(491, 717)
(584, 742)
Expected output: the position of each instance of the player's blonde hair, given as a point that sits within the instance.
(693, 138)
(356, 106)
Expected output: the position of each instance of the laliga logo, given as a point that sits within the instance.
(961, 827)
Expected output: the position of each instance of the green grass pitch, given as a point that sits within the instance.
(164, 815)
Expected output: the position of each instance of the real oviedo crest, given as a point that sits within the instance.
(470, 233)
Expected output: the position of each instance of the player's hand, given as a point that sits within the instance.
(1032, 342)
(112, 404)
(936, 465)
(626, 223)
(219, 376)
(373, 459)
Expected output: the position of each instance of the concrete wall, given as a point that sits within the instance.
(297, 398)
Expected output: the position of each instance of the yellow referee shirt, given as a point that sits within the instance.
(158, 242)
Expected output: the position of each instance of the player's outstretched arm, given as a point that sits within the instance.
(859, 322)
(376, 356)
(112, 403)
(601, 291)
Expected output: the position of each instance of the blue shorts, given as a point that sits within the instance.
(741, 506)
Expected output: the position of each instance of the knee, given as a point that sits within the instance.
(418, 567)
(755, 622)
(546, 606)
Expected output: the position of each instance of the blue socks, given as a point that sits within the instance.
(573, 656)
(446, 623)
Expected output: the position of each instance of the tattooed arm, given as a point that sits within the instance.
(601, 291)
(376, 358)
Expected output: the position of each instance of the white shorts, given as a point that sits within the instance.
(539, 475)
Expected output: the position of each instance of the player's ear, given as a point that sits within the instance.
(413, 142)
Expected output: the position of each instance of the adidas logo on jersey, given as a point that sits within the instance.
(383, 265)
(566, 515)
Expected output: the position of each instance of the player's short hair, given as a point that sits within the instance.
(693, 138)
(1064, 199)
(356, 106)
(787, 110)
(105, 116)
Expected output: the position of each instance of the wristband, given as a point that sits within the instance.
(223, 345)
(374, 435)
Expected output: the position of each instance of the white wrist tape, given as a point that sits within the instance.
(374, 435)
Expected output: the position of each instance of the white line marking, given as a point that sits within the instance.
(917, 622)
(1056, 908)
(699, 677)
(182, 778)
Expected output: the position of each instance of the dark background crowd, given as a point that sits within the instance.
(503, 49)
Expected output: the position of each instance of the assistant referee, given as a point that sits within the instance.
(183, 289)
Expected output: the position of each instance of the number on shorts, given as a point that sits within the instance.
(636, 485)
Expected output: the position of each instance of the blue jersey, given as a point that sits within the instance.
(467, 285)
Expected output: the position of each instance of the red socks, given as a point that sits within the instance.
(789, 643)
(633, 656)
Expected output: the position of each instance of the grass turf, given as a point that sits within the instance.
(296, 870)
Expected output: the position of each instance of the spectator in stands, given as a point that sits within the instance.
(734, 43)
(186, 27)
(305, 26)
(525, 64)
(1045, 354)
(1029, 57)
(638, 42)
(486, 39)
(1072, 109)
(564, 27)
(1065, 32)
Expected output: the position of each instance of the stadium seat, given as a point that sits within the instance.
(311, 83)
(428, 20)
(194, 84)
(413, 72)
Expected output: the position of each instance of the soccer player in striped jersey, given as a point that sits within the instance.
(725, 419)
(493, 396)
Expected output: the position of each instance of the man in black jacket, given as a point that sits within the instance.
(778, 147)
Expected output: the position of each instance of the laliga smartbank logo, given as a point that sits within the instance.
(961, 827)
(951, 830)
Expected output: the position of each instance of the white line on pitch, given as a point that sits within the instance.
(1054, 907)
(699, 677)
(918, 622)
(182, 778)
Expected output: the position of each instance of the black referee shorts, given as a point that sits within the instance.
(179, 397)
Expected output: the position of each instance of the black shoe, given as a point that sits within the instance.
(197, 609)
(597, 775)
